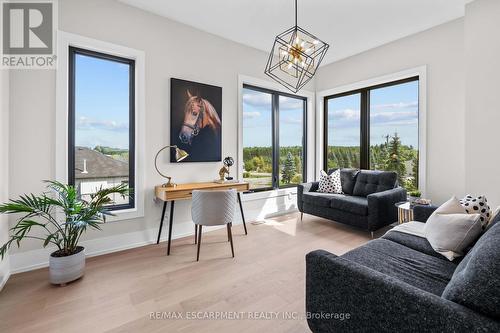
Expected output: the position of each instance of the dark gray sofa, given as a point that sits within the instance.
(367, 203)
(398, 283)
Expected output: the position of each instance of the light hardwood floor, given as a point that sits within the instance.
(120, 290)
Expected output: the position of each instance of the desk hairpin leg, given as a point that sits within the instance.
(161, 221)
(170, 223)
(242, 214)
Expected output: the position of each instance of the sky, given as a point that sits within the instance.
(393, 109)
(257, 120)
(101, 103)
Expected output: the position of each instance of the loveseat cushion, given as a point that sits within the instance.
(320, 199)
(398, 261)
(372, 181)
(351, 204)
(416, 243)
(475, 281)
(347, 178)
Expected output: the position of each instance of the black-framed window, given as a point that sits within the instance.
(101, 129)
(375, 128)
(274, 138)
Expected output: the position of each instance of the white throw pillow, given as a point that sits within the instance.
(450, 229)
(330, 183)
(479, 206)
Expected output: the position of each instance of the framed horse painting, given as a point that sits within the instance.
(196, 120)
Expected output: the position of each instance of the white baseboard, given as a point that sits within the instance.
(4, 280)
(30, 260)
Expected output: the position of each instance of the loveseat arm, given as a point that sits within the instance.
(304, 188)
(421, 213)
(381, 207)
(360, 299)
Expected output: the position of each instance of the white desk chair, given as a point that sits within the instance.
(213, 208)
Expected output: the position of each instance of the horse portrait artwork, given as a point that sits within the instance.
(196, 126)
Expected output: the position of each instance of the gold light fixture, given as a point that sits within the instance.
(179, 156)
(295, 57)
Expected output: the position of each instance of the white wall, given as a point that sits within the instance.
(442, 50)
(482, 119)
(172, 50)
(4, 157)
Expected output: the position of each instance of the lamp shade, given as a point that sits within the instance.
(180, 154)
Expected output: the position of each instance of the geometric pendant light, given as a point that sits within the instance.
(295, 57)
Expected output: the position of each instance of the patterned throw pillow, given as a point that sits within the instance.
(479, 206)
(330, 183)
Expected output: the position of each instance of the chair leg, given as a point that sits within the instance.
(199, 243)
(372, 234)
(230, 235)
(301, 215)
(195, 232)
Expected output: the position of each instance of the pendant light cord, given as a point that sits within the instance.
(295, 12)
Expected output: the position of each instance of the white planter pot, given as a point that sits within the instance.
(66, 269)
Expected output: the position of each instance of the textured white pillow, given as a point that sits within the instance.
(330, 183)
(450, 229)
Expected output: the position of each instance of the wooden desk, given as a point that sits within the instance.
(184, 192)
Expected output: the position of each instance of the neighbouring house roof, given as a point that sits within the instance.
(98, 165)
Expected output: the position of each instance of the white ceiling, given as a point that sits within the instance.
(349, 26)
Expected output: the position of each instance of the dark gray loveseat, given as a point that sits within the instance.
(398, 283)
(367, 203)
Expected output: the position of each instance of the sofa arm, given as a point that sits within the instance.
(363, 300)
(421, 213)
(304, 188)
(381, 207)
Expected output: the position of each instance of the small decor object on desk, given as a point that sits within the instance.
(67, 263)
(228, 162)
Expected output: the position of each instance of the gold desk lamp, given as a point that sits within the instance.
(179, 156)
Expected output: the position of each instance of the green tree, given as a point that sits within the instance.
(288, 170)
(395, 159)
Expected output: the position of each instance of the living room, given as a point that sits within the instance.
(174, 166)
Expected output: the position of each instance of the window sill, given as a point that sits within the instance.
(269, 194)
(125, 214)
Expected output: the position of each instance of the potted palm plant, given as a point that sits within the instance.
(67, 263)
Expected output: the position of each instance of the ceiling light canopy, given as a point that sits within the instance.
(295, 57)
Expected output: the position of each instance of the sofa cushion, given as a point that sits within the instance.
(330, 183)
(416, 243)
(494, 219)
(373, 181)
(351, 204)
(413, 267)
(319, 199)
(451, 230)
(475, 281)
(348, 180)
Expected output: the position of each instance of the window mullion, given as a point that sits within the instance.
(365, 130)
(276, 147)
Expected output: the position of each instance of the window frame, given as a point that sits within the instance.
(275, 95)
(364, 92)
(72, 52)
